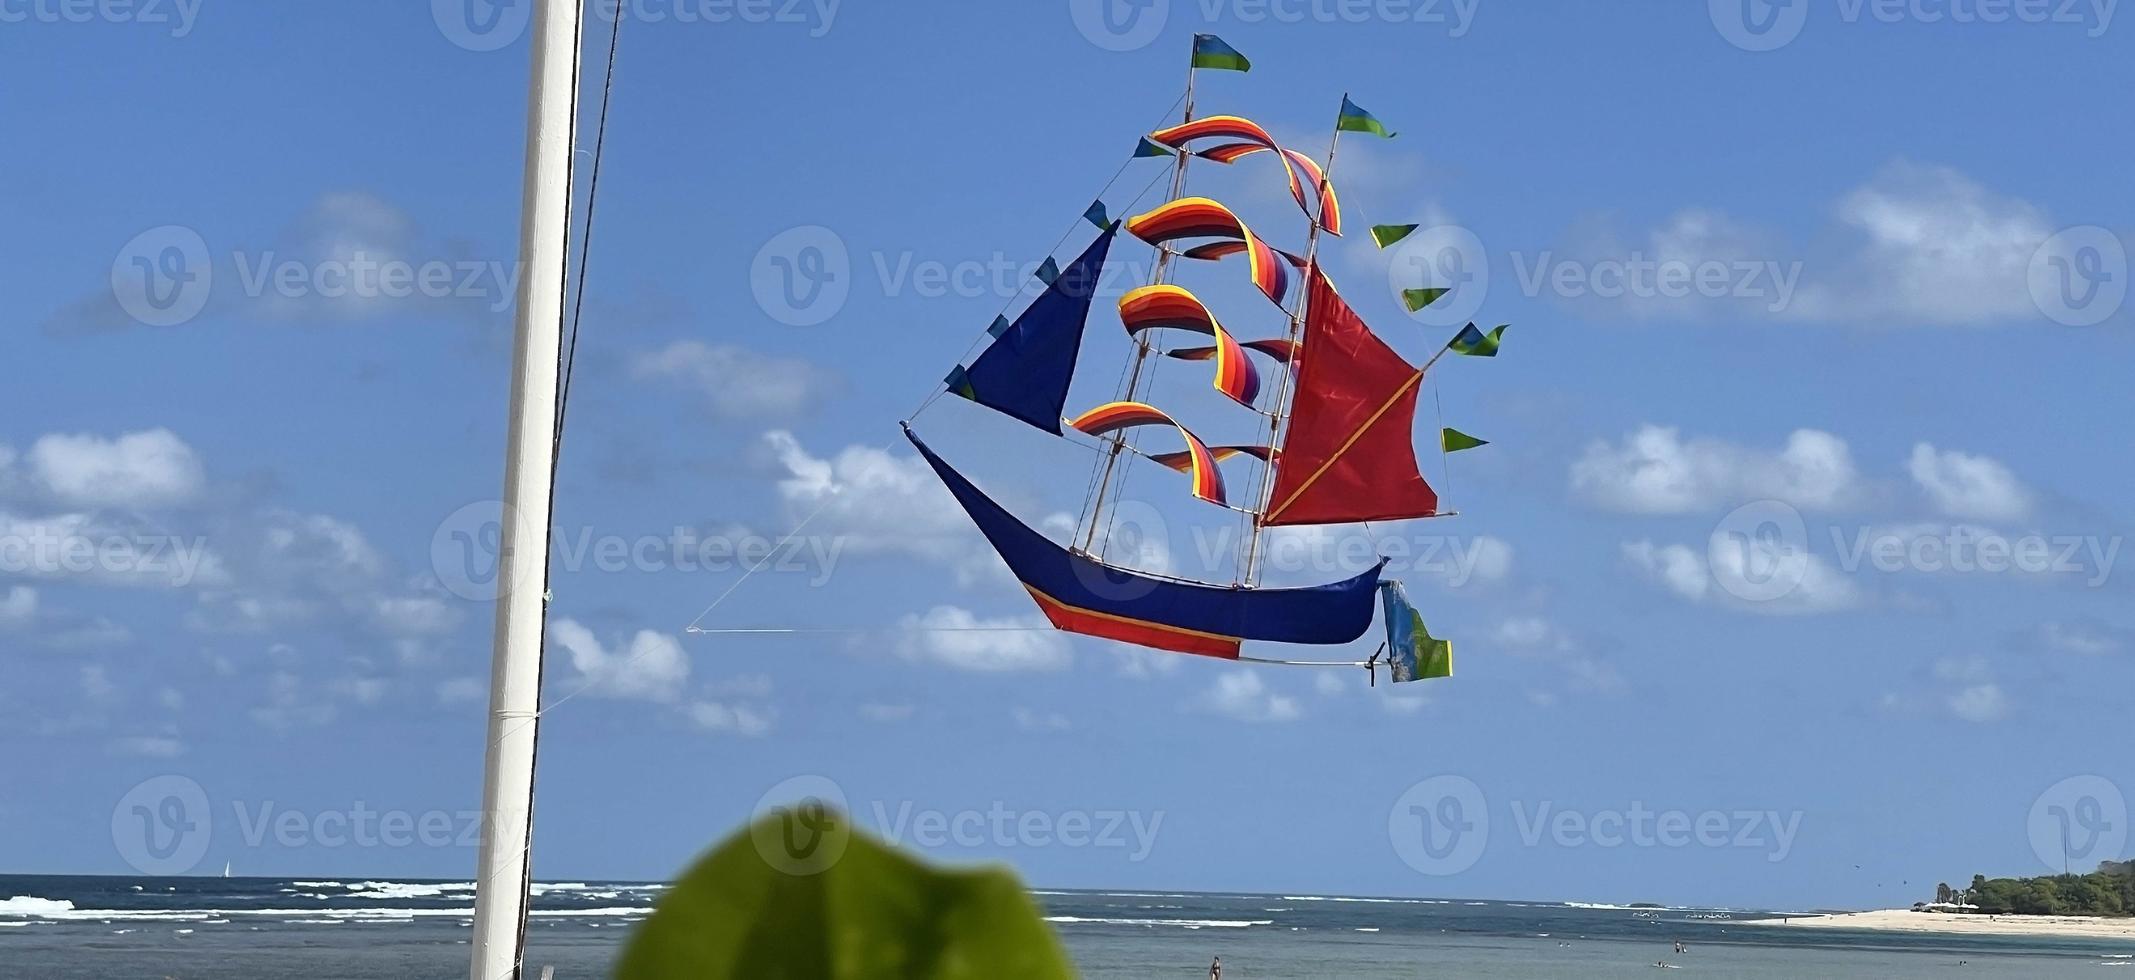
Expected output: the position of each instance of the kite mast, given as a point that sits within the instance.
(1289, 367)
(501, 881)
(1142, 349)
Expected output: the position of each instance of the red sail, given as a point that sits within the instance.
(1349, 455)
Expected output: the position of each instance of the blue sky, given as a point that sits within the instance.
(1913, 222)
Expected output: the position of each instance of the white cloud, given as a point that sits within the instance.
(1974, 695)
(1808, 584)
(1241, 694)
(1979, 703)
(1655, 471)
(651, 668)
(1532, 634)
(1681, 570)
(2089, 639)
(1936, 247)
(138, 470)
(887, 714)
(1913, 244)
(462, 690)
(874, 503)
(955, 637)
(1403, 703)
(731, 716)
(18, 608)
(736, 382)
(1141, 663)
(1032, 720)
(1328, 685)
(96, 684)
(1548, 644)
(1963, 485)
(148, 746)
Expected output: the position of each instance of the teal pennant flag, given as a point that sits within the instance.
(1355, 120)
(1476, 343)
(1211, 52)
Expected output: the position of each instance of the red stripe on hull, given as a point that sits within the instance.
(1139, 632)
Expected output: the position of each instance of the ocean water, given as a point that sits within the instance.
(98, 928)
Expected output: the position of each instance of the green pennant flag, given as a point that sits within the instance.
(1048, 271)
(1388, 234)
(1355, 120)
(1211, 52)
(1453, 440)
(1476, 343)
(1096, 215)
(1416, 299)
(1151, 148)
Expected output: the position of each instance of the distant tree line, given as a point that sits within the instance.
(2110, 890)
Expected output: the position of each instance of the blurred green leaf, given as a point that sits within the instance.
(801, 895)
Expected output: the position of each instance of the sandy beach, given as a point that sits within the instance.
(1907, 920)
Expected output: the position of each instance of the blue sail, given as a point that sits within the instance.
(1080, 594)
(1025, 373)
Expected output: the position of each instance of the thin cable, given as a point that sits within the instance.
(585, 247)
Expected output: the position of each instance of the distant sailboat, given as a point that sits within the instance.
(226, 869)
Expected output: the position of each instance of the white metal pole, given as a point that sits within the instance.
(522, 563)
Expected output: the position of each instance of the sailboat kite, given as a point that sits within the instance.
(1340, 410)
